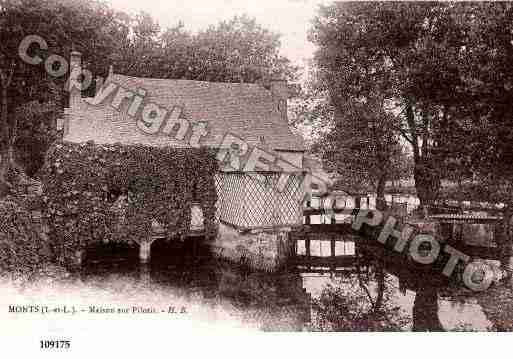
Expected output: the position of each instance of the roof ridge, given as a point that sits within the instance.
(114, 75)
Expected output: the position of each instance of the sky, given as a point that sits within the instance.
(290, 18)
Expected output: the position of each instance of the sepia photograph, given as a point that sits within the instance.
(203, 175)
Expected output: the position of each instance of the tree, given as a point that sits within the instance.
(139, 50)
(488, 126)
(240, 50)
(36, 130)
(362, 147)
(91, 27)
(347, 305)
(447, 68)
(405, 52)
(236, 50)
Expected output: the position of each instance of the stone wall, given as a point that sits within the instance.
(266, 250)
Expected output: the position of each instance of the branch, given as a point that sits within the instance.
(3, 77)
(364, 287)
(410, 118)
(405, 135)
(360, 282)
(11, 74)
(6, 78)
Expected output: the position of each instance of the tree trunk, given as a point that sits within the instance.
(425, 310)
(4, 119)
(380, 194)
(7, 139)
(425, 171)
(380, 277)
(11, 173)
(5, 186)
(504, 240)
(427, 184)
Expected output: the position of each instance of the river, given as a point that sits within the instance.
(291, 300)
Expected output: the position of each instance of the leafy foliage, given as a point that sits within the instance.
(363, 149)
(345, 306)
(22, 250)
(36, 131)
(409, 55)
(236, 50)
(88, 26)
(82, 182)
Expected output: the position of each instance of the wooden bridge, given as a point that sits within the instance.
(338, 235)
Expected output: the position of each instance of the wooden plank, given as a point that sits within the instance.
(476, 251)
(493, 210)
(321, 211)
(342, 270)
(195, 233)
(341, 228)
(328, 262)
(465, 220)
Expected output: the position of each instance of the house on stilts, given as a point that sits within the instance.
(261, 183)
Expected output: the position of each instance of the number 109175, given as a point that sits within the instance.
(55, 344)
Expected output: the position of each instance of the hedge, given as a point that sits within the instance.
(82, 181)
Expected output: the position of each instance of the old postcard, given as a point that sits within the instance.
(183, 177)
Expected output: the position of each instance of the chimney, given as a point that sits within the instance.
(280, 92)
(75, 93)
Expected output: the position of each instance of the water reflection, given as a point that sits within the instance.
(322, 248)
(425, 310)
(363, 299)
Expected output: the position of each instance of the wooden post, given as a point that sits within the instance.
(307, 249)
(145, 274)
(195, 247)
(357, 205)
(333, 206)
(145, 250)
(357, 202)
(79, 258)
(332, 243)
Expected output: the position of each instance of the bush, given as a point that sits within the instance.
(81, 182)
(35, 133)
(23, 251)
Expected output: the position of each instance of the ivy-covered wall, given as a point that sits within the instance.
(81, 183)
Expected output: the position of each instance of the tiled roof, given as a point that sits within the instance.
(246, 110)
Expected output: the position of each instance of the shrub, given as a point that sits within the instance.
(22, 249)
